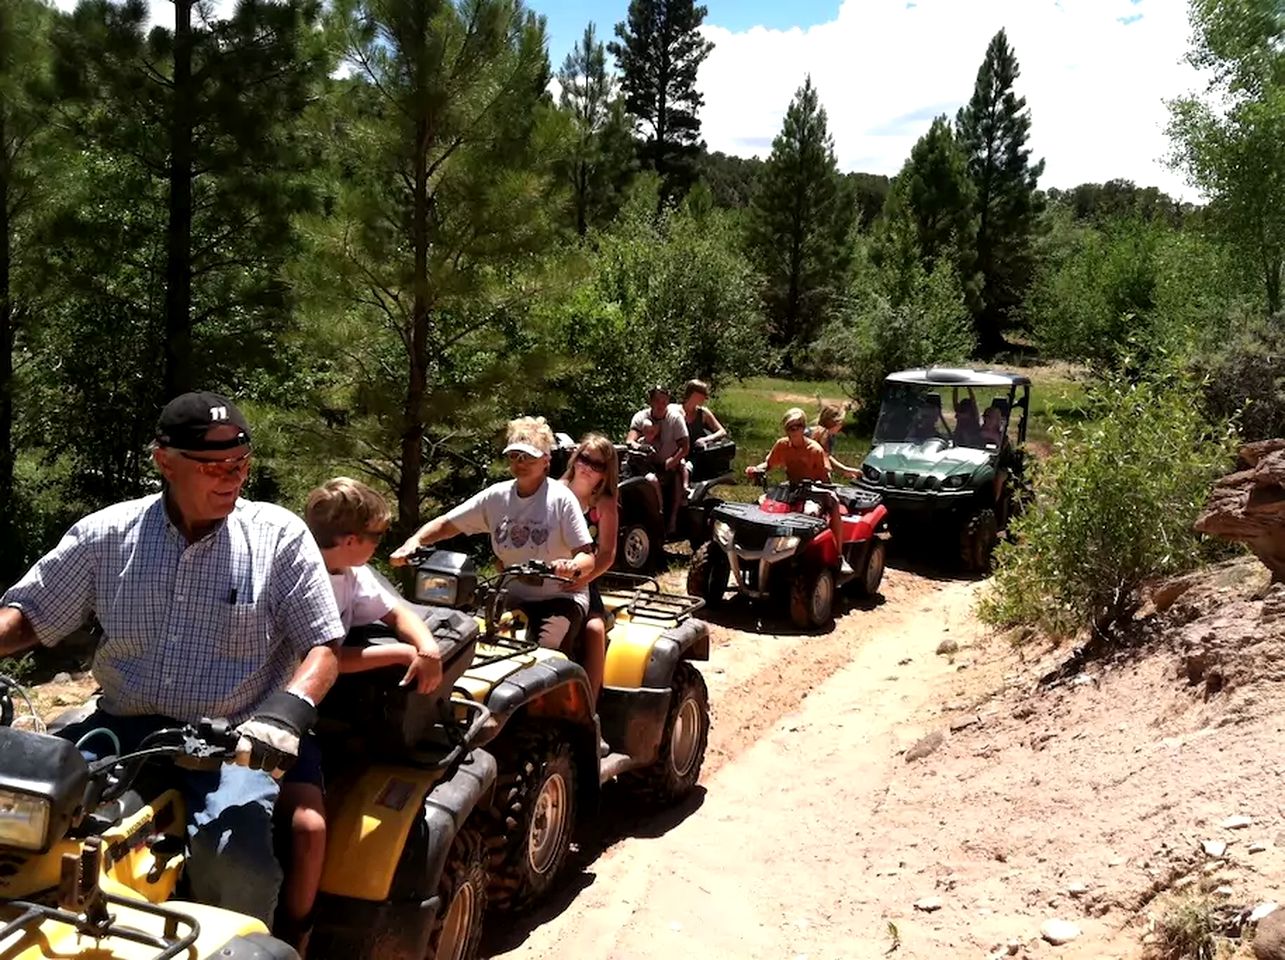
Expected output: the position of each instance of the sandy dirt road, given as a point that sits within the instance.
(778, 855)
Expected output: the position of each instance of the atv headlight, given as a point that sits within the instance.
(723, 534)
(445, 579)
(954, 482)
(871, 473)
(24, 820)
(781, 544)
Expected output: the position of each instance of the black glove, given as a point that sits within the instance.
(269, 740)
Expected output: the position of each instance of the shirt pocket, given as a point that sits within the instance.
(244, 633)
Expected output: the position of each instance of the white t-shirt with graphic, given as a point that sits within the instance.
(548, 525)
(673, 428)
(362, 596)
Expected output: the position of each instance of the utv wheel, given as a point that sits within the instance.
(977, 541)
(462, 889)
(708, 575)
(872, 575)
(635, 548)
(532, 818)
(682, 745)
(812, 598)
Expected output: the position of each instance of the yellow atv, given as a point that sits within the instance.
(654, 712)
(90, 867)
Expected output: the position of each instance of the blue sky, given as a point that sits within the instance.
(1095, 74)
(567, 18)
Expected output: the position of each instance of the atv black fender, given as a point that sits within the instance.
(399, 926)
(633, 718)
(639, 502)
(551, 691)
(688, 640)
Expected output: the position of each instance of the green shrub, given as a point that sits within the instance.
(906, 320)
(1245, 379)
(1114, 507)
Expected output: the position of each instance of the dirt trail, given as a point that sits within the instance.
(783, 858)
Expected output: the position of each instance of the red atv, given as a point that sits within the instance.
(783, 547)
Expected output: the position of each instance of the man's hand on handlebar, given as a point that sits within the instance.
(269, 740)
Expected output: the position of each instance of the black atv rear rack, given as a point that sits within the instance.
(170, 944)
(647, 600)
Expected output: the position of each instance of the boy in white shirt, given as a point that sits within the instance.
(348, 519)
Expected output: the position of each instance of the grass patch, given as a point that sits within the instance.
(21, 669)
(1195, 926)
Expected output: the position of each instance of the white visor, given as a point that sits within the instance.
(526, 448)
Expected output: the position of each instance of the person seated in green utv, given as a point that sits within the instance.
(528, 518)
(927, 424)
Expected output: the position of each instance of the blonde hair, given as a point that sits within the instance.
(532, 430)
(794, 415)
(831, 413)
(344, 507)
(604, 450)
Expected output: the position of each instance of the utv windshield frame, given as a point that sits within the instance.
(918, 406)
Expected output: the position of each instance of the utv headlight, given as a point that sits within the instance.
(723, 534)
(781, 544)
(24, 820)
(954, 482)
(871, 473)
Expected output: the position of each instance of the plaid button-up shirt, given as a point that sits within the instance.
(207, 629)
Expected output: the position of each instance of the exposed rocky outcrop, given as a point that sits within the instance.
(1249, 505)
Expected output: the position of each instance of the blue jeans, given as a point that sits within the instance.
(230, 863)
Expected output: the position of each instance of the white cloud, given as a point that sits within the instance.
(1095, 84)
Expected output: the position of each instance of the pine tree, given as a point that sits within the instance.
(26, 136)
(659, 51)
(442, 206)
(992, 130)
(601, 158)
(934, 194)
(207, 112)
(801, 222)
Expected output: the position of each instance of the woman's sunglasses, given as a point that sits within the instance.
(597, 466)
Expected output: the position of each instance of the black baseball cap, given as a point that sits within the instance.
(186, 419)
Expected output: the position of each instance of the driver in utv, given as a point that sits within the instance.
(528, 518)
(804, 459)
(210, 606)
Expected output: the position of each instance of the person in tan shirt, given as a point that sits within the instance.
(803, 459)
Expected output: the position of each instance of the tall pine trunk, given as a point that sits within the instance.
(8, 546)
(413, 413)
(177, 371)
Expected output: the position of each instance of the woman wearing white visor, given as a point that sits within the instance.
(528, 518)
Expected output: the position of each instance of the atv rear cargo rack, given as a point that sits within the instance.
(646, 600)
(169, 944)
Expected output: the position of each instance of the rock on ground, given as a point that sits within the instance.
(1249, 505)
(1269, 939)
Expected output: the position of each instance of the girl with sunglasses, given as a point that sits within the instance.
(593, 475)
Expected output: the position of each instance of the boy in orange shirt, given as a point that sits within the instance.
(803, 459)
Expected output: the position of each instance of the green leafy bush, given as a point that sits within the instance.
(1245, 379)
(907, 317)
(1114, 507)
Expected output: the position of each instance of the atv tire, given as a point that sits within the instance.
(872, 572)
(812, 597)
(977, 541)
(682, 745)
(532, 817)
(462, 889)
(637, 546)
(708, 575)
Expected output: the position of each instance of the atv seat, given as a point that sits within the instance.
(369, 711)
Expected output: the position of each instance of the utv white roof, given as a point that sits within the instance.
(958, 377)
